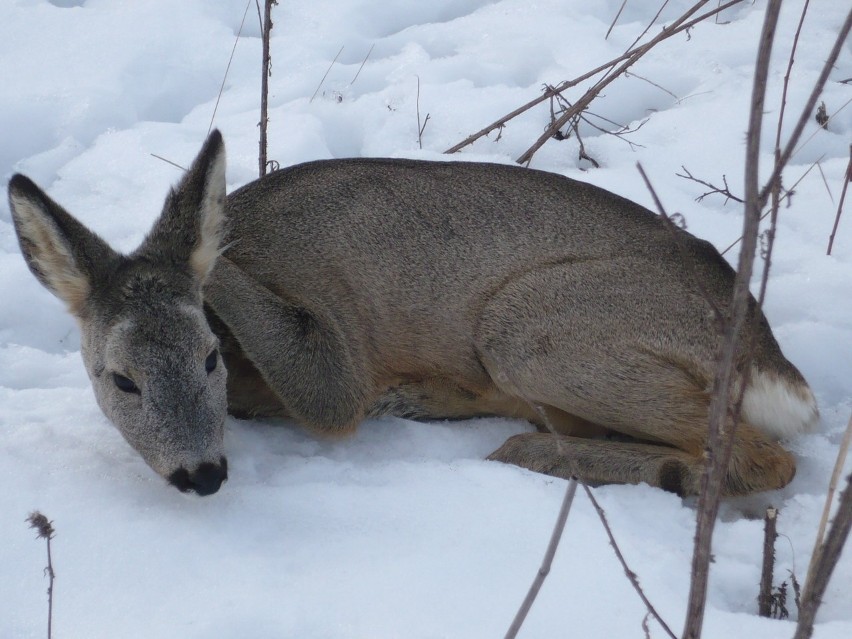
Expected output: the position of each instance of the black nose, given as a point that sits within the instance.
(204, 480)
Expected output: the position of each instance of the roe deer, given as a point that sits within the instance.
(343, 289)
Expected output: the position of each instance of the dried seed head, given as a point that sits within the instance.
(41, 524)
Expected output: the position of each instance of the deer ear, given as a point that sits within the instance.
(191, 226)
(63, 254)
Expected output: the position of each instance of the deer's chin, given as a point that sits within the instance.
(205, 479)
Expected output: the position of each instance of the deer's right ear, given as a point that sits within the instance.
(63, 254)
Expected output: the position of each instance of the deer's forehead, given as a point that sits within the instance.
(169, 328)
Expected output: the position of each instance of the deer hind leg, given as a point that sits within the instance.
(554, 342)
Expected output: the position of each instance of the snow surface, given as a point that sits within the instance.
(402, 530)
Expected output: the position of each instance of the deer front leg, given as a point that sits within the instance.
(299, 351)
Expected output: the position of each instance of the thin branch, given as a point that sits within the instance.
(45, 530)
(631, 576)
(726, 191)
(827, 560)
(650, 24)
(847, 177)
(592, 93)
(228, 68)
(839, 463)
(807, 109)
(563, 86)
(787, 195)
(325, 75)
(160, 157)
(728, 386)
(366, 57)
(544, 570)
(420, 128)
(615, 19)
(264, 86)
(764, 597)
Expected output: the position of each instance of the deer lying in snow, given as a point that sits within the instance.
(338, 290)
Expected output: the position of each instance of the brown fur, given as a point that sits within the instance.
(446, 290)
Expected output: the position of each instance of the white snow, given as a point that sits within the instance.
(403, 530)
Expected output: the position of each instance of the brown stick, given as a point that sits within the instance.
(501, 122)
(631, 576)
(764, 597)
(544, 570)
(592, 93)
(807, 109)
(846, 179)
(727, 385)
(828, 556)
(264, 86)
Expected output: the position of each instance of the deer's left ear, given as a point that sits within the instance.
(64, 255)
(190, 229)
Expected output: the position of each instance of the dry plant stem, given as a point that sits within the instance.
(631, 576)
(764, 597)
(847, 177)
(651, 24)
(264, 87)
(713, 188)
(556, 535)
(615, 19)
(544, 570)
(828, 556)
(788, 193)
(325, 75)
(228, 68)
(420, 128)
(160, 157)
(497, 124)
(839, 463)
(727, 385)
(45, 530)
(807, 110)
(587, 98)
(366, 57)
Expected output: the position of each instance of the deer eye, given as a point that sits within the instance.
(210, 362)
(125, 384)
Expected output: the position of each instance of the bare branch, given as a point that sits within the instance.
(631, 576)
(615, 19)
(726, 191)
(728, 386)
(228, 68)
(827, 559)
(325, 75)
(807, 109)
(847, 177)
(593, 92)
(264, 86)
(667, 33)
(544, 570)
(764, 597)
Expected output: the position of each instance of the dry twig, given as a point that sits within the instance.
(726, 396)
(227, 68)
(264, 85)
(764, 597)
(544, 570)
(563, 86)
(325, 75)
(726, 191)
(827, 556)
(847, 177)
(46, 531)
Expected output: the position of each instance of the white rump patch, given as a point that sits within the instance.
(780, 408)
